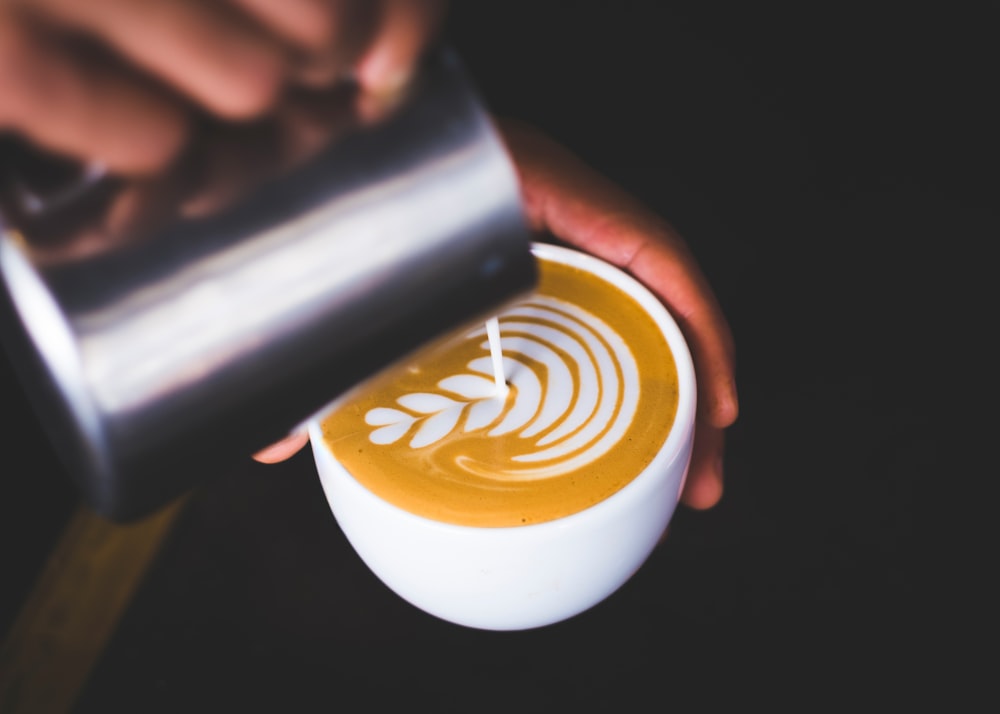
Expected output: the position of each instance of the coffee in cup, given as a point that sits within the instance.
(515, 502)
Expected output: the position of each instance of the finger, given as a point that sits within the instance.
(579, 206)
(282, 450)
(405, 29)
(328, 36)
(309, 24)
(704, 486)
(673, 275)
(84, 108)
(206, 50)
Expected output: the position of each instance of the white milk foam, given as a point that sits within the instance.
(573, 392)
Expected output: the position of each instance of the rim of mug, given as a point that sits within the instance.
(672, 448)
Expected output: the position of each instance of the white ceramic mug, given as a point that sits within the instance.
(520, 577)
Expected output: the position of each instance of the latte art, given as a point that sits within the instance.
(591, 396)
(573, 391)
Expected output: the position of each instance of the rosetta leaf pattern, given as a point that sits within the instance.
(425, 402)
(432, 416)
(436, 426)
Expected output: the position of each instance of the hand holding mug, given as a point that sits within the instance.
(568, 199)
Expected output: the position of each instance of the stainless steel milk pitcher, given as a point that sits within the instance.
(165, 333)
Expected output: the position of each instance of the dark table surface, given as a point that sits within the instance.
(833, 169)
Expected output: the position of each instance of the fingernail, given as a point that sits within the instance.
(380, 75)
(391, 82)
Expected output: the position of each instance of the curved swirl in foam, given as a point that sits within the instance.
(574, 387)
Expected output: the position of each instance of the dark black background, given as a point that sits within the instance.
(834, 168)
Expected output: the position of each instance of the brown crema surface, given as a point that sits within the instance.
(475, 478)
